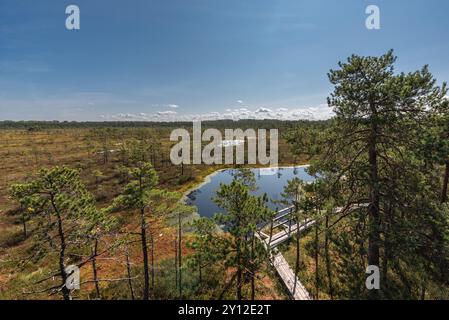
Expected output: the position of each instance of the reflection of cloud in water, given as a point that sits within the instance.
(272, 184)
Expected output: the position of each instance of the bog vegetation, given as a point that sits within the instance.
(106, 198)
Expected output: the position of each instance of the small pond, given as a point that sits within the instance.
(271, 182)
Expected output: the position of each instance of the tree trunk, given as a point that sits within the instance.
(328, 260)
(239, 271)
(298, 247)
(105, 154)
(290, 226)
(253, 271)
(373, 208)
(152, 260)
(146, 289)
(317, 278)
(445, 184)
(50, 222)
(65, 291)
(94, 268)
(180, 255)
(176, 263)
(128, 269)
(386, 252)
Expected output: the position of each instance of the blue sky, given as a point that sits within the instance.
(181, 59)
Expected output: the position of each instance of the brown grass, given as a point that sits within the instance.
(23, 153)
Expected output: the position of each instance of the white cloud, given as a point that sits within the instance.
(174, 106)
(239, 101)
(166, 113)
(320, 112)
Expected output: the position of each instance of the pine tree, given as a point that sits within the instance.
(244, 212)
(180, 212)
(142, 195)
(137, 196)
(294, 195)
(207, 245)
(371, 158)
(66, 210)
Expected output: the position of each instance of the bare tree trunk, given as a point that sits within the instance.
(128, 269)
(94, 268)
(176, 263)
(152, 260)
(65, 291)
(253, 271)
(239, 270)
(289, 227)
(146, 289)
(317, 277)
(105, 149)
(328, 261)
(180, 254)
(298, 248)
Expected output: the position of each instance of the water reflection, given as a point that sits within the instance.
(267, 182)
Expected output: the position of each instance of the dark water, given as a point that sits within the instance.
(272, 185)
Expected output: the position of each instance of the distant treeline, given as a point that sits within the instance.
(219, 124)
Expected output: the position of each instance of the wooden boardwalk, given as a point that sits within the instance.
(288, 228)
(288, 277)
(286, 233)
(284, 221)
